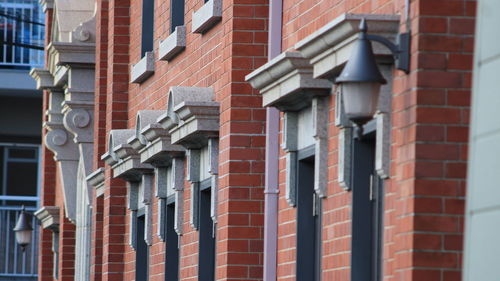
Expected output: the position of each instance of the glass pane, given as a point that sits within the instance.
(22, 179)
(24, 153)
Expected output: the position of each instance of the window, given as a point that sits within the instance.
(172, 243)
(206, 262)
(176, 14)
(147, 26)
(308, 219)
(367, 211)
(142, 250)
(22, 32)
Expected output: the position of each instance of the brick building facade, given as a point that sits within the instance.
(206, 140)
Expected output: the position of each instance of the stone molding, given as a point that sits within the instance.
(48, 217)
(96, 179)
(330, 47)
(173, 45)
(207, 16)
(44, 80)
(192, 116)
(143, 69)
(287, 82)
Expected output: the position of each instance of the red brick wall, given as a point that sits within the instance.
(425, 195)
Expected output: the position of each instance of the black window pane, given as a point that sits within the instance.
(207, 240)
(23, 153)
(22, 179)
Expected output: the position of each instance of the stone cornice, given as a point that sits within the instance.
(287, 82)
(330, 47)
(72, 54)
(49, 217)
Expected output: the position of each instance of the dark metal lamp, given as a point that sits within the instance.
(361, 78)
(23, 230)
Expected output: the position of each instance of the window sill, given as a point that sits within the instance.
(207, 16)
(173, 45)
(143, 69)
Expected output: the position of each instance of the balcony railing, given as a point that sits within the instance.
(14, 263)
(21, 32)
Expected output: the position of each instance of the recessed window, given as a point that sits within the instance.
(176, 14)
(367, 211)
(308, 219)
(172, 243)
(147, 26)
(142, 251)
(206, 263)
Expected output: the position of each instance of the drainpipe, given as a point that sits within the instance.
(272, 153)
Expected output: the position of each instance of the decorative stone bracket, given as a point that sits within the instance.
(286, 83)
(192, 119)
(48, 217)
(96, 179)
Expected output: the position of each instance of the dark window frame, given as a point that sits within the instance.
(309, 219)
(176, 14)
(172, 242)
(147, 35)
(206, 255)
(142, 249)
(367, 210)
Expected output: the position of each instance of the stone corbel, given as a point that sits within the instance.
(58, 140)
(48, 217)
(85, 31)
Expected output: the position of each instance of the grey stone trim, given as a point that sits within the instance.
(147, 183)
(330, 47)
(207, 16)
(133, 195)
(345, 157)
(289, 144)
(213, 170)
(143, 118)
(143, 69)
(286, 82)
(96, 179)
(115, 138)
(193, 176)
(161, 219)
(178, 186)
(60, 75)
(133, 229)
(44, 80)
(173, 45)
(192, 116)
(70, 54)
(320, 127)
(341, 120)
(65, 151)
(383, 145)
(48, 217)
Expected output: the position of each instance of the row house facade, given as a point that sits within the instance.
(207, 140)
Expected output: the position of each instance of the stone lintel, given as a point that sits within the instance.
(330, 47)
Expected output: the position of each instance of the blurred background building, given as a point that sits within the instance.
(22, 31)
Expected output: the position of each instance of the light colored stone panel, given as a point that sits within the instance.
(143, 69)
(207, 16)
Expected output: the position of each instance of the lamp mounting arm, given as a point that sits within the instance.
(400, 51)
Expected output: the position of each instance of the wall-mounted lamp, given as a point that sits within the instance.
(361, 78)
(23, 230)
